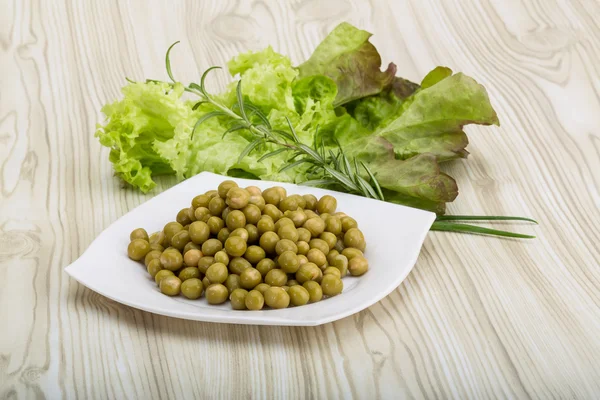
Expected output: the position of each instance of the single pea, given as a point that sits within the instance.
(162, 274)
(303, 247)
(237, 198)
(298, 295)
(311, 202)
(262, 287)
(298, 217)
(183, 217)
(216, 206)
(223, 235)
(199, 232)
(216, 293)
(211, 247)
(358, 266)
(252, 233)
(333, 225)
(215, 224)
(201, 200)
(190, 246)
(354, 238)
(339, 246)
(273, 212)
(224, 188)
(285, 245)
(315, 226)
(170, 285)
(268, 241)
(288, 262)
(327, 204)
(254, 190)
(330, 239)
(241, 232)
(171, 259)
(258, 201)
(311, 214)
(254, 254)
(138, 249)
(250, 277)
(265, 224)
(283, 221)
(286, 288)
(189, 273)
(222, 257)
(292, 282)
(151, 255)
(315, 291)
(232, 282)
(276, 277)
(157, 238)
(350, 253)
(171, 229)
(236, 219)
(271, 196)
(235, 246)
(192, 288)
(341, 263)
(304, 235)
(237, 298)
(217, 273)
(308, 272)
(302, 259)
(288, 232)
(139, 233)
(325, 216)
(265, 265)
(252, 214)
(288, 204)
(317, 257)
(276, 297)
(348, 223)
(202, 214)
(332, 271)
(254, 300)
(205, 262)
(153, 267)
(211, 193)
(237, 265)
(180, 239)
(282, 192)
(319, 244)
(331, 285)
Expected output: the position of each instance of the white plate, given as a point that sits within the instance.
(394, 236)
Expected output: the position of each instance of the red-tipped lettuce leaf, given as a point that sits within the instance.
(347, 57)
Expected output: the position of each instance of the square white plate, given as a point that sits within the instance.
(394, 236)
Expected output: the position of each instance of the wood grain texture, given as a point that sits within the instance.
(477, 317)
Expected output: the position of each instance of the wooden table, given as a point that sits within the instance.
(478, 317)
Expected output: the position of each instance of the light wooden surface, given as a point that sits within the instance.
(477, 318)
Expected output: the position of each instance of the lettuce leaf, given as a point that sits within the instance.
(431, 120)
(149, 114)
(351, 61)
(376, 111)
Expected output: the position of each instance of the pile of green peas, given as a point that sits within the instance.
(254, 248)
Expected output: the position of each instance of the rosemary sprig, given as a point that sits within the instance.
(333, 166)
